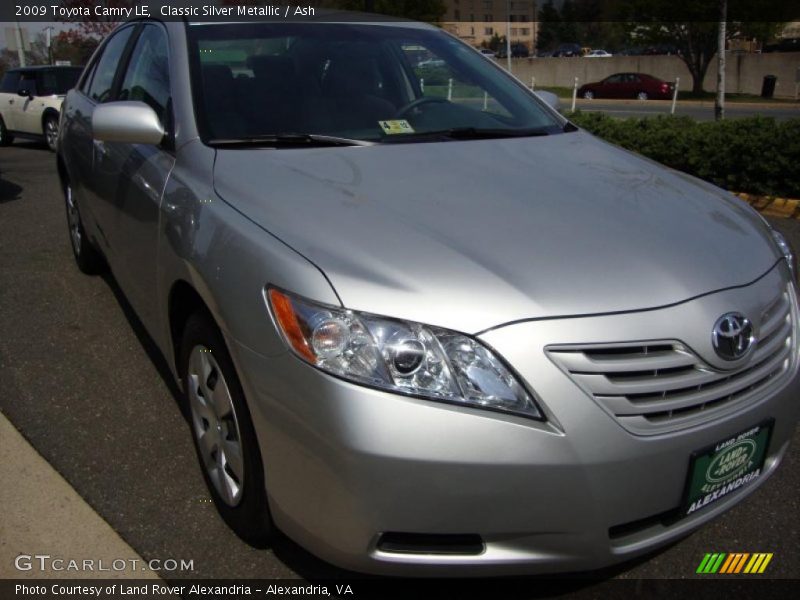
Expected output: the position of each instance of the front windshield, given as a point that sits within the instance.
(375, 83)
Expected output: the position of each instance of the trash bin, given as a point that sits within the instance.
(768, 86)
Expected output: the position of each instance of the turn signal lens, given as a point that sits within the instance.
(287, 320)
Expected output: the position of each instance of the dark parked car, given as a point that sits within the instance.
(517, 51)
(568, 50)
(628, 85)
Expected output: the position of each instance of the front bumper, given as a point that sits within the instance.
(345, 464)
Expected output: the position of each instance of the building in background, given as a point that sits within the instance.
(478, 21)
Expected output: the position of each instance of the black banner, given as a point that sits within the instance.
(76, 11)
(741, 586)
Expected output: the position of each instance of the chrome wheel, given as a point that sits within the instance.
(215, 425)
(641, 96)
(73, 220)
(51, 132)
(588, 95)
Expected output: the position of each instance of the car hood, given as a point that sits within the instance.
(473, 234)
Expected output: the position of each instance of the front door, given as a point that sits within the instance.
(135, 175)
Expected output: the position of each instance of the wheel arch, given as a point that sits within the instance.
(183, 301)
(61, 167)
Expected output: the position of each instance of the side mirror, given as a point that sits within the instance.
(130, 122)
(23, 93)
(550, 99)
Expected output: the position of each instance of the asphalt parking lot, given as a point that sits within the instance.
(84, 384)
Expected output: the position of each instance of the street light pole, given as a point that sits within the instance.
(20, 48)
(49, 36)
(719, 104)
(508, 34)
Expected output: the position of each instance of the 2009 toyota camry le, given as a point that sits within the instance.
(423, 323)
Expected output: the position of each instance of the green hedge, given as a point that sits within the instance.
(756, 154)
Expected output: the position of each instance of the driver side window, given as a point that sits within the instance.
(147, 77)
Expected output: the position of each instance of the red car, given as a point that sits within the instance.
(628, 85)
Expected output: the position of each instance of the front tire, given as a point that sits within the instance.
(642, 96)
(88, 259)
(50, 128)
(223, 432)
(588, 95)
(5, 137)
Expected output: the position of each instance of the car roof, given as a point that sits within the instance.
(340, 17)
(43, 68)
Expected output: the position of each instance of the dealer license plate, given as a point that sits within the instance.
(726, 467)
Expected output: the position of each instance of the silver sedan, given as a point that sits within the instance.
(423, 323)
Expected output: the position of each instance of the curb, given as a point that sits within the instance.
(773, 206)
(46, 523)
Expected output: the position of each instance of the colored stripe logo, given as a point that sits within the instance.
(734, 563)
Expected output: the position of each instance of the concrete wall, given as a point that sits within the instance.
(744, 72)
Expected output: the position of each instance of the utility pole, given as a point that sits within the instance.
(49, 33)
(508, 34)
(719, 103)
(20, 49)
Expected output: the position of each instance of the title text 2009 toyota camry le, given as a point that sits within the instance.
(423, 323)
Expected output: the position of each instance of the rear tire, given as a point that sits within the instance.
(50, 128)
(5, 137)
(223, 433)
(88, 259)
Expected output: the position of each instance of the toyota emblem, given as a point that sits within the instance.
(733, 336)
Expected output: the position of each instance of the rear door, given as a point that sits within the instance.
(633, 85)
(89, 184)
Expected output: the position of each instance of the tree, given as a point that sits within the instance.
(431, 11)
(74, 46)
(549, 34)
(692, 26)
(96, 26)
(496, 42)
(585, 22)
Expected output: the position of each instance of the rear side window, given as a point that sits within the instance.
(101, 86)
(147, 77)
(28, 83)
(58, 81)
(8, 85)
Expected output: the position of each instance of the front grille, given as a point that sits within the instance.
(661, 386)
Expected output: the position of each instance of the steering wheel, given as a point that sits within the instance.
(403, 110)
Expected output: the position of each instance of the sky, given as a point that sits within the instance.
(33, 28)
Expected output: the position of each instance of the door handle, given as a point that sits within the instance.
(11, 101)
(101, 149)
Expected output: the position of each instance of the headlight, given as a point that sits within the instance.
(399, 356)
(786, 250)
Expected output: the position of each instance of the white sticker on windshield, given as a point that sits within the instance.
(396, 126)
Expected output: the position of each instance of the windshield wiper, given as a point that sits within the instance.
(468, 133)
(282, 140)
